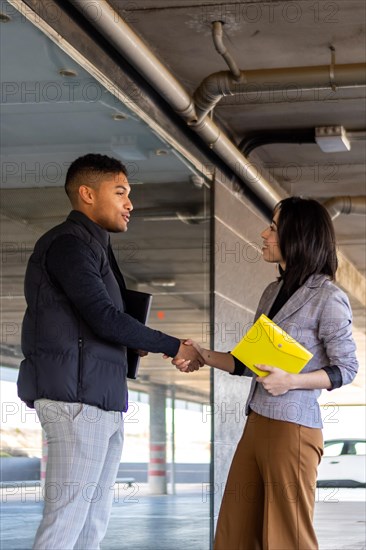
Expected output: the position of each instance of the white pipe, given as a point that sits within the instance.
(102, 16)
(217, 36)
(125, 40)
(356, 135)
(240, 165)
(289, 80)
(346, 205)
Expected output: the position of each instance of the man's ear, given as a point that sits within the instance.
(86, 194)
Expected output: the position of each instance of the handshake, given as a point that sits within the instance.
(189, 357)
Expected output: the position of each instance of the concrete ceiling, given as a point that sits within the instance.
(48, 120)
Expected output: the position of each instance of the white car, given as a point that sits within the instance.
(343, 463)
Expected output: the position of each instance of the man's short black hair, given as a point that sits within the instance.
(87, 170)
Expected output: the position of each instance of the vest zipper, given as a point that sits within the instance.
(80, 364)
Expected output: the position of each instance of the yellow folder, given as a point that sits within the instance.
(266, 343)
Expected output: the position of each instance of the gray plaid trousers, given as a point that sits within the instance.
(84, 453)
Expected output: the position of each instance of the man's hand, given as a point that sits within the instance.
(188, 357)
(277, 382)
(141, 353)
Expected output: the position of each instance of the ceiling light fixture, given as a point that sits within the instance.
(69, 73)
(161, 152)
(332, 139)
(198, 181)
(4, 18)
(119, 116)
(163, 282)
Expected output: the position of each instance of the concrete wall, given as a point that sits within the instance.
(240, 278)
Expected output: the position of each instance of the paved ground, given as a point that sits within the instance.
(179, 522)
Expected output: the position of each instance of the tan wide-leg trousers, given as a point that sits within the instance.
(269, 497)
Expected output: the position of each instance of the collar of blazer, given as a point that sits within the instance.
(298, 299)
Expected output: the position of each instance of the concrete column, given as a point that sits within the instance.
(240, 276)
(157, 478)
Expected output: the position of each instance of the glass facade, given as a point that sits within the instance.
(53, 111)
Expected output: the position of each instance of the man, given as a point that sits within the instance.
(74, 340)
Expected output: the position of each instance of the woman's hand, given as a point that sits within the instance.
(216, 359)
(190, 342)
(185, 366)
(277, 382)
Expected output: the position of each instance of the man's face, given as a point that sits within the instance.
(111, 205)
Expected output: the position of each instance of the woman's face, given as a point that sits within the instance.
(271, 249)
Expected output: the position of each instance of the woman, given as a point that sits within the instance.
(269, 497)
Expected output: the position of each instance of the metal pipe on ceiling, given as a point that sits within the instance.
(299, 136)
(346, 205)
(217, 35)
(110, 24)
(287, 80)
(356, 135)
(271, 137)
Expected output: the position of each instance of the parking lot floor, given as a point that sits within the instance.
(140, 521)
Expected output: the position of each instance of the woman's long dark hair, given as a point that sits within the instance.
(307, 240)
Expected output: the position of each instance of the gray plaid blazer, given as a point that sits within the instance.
(319, 316)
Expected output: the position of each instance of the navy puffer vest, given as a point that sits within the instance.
(64, 359)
